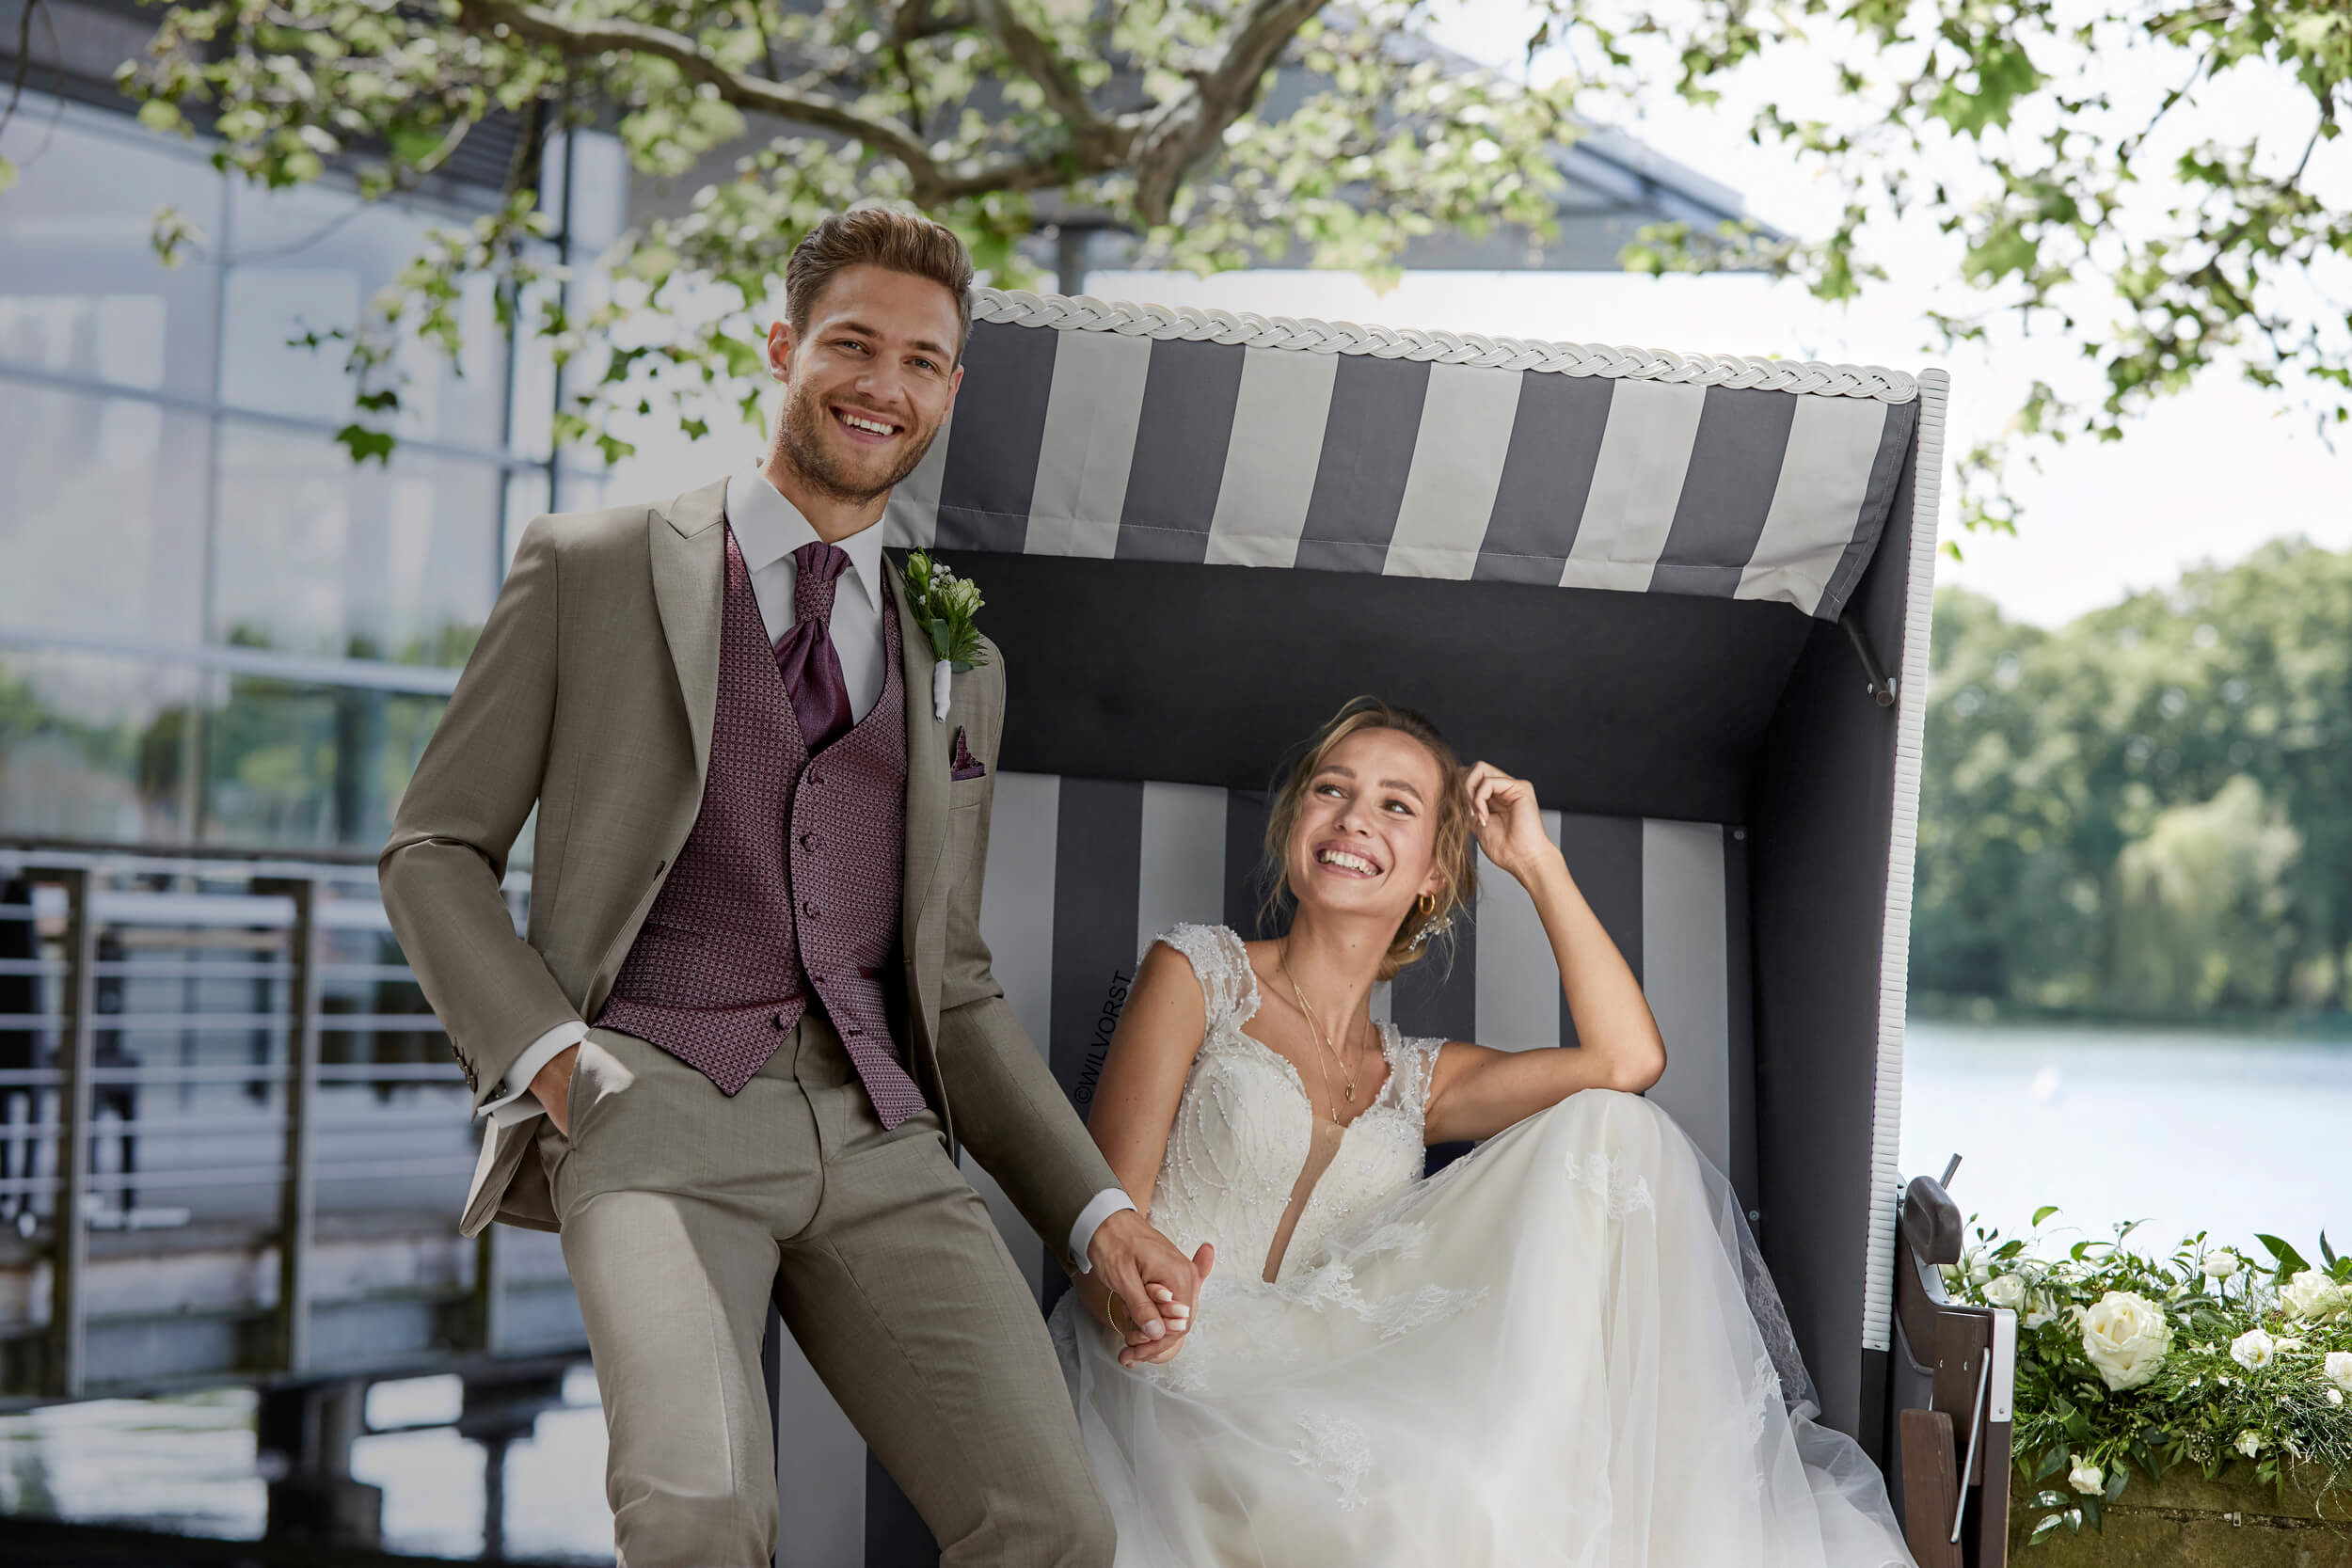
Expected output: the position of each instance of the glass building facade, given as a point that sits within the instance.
(215, 628)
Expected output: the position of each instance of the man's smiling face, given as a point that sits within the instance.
(868, 383)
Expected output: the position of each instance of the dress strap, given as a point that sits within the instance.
(1222, 966)
(1412, 1066)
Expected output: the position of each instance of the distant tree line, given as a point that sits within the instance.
(2147, 813)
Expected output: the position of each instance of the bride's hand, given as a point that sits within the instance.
(1508, 824)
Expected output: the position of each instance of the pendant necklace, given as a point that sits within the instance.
(1316, 1027)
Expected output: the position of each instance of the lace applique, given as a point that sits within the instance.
(1621, 1190)
(1764, 1395)
(1336, 1449)
(1332, 1288)
(1222, 964)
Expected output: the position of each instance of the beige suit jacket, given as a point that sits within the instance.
(591, 695)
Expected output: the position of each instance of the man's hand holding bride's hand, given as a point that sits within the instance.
(1156, 1285)
(1508, 824)
(551, 1086)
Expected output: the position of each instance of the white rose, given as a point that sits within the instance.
(2288, 1343)
(2086, 1478)
(2337, 1369)
(2311, 1295)
(2249, 1443)
(2042, 1310)
(2335, 1396)
(2221, 1265)
(2253, 1350)
(2006, 1290)
(2126, 1338)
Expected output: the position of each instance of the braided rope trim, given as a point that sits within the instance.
(1305, 334)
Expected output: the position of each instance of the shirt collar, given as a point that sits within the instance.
(768, 528)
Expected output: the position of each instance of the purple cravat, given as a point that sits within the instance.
(805, 654)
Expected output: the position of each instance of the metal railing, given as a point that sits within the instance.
(219, 1046)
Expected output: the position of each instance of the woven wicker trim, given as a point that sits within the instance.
(1188, 324)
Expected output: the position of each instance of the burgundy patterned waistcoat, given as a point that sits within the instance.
(789, 882)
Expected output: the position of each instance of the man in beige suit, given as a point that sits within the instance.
(753, 1013)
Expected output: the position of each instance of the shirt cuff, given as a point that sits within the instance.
(1102, 1206)
(517, 1084)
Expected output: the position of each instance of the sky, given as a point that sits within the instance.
(2204, 477)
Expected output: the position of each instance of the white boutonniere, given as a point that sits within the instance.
(944, 604)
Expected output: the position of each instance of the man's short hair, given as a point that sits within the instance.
(877, 236)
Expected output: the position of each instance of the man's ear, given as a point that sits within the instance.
(955, 381)
(779, 347)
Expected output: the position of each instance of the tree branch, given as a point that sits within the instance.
(1188, 127)
(757, 94)
(1042, 63)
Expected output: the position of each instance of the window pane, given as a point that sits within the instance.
(294, 763)
(307, 260)
(102, 516)
(82, 292)
(319, 556)
(97, 748)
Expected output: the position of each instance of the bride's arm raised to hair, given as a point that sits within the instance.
(1477, 1092)
(1135, 1107)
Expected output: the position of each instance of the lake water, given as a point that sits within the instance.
(2187, 1132)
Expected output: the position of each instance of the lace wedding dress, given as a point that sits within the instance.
(1559, 1351)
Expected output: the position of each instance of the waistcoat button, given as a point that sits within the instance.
(810, 910)
(808, 841)
(853, 1031)
(776, 1021)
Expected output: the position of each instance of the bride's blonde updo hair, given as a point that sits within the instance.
(1454, 854)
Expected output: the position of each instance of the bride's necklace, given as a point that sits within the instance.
(1316, 1027)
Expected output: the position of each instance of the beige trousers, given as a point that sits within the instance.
(683, 1210)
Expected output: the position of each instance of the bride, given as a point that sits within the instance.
(1561, 1349)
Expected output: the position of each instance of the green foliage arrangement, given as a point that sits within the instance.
(2128, 1362)
(2148, 812)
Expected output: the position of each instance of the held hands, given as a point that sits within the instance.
(1154, 1287)
(551, 1086)
(1508, 824)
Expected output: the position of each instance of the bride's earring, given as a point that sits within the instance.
(1431, 926)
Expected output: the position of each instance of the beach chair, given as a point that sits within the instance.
(1686, 595)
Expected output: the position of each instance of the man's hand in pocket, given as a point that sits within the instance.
(551, 1086)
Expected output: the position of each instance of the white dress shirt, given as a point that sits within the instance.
(768, 529)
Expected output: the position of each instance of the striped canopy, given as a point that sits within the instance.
(1138, 432)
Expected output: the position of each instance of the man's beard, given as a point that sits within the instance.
(800, 435)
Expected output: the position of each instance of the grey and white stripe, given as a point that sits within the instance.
(1102, 442)
(1083, 873)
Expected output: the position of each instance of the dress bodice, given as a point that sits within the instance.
(1245, 1127)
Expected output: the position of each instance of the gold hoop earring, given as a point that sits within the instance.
(1432, 924)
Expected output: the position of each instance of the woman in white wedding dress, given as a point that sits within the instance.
(1559, 1351)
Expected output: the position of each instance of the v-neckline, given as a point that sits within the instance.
(1249, 1009)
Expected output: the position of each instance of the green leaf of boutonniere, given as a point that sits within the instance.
(944, 605)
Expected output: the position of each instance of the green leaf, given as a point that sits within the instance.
(379, 402)
(2053, 1461)
(2325, 1251)
(2044, 1212)
(157, 115)
(363, 443)
(2290, 1261)
(2041, 1530)
(8, 173)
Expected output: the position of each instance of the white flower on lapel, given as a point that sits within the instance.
(944, 604)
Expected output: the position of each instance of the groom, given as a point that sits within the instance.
(753, 1012)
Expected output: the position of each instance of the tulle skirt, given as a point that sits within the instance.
(1559, 1351)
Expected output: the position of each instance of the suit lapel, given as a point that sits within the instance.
(690, 581)
(927, 766)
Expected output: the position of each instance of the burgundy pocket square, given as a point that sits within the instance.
(961, 763)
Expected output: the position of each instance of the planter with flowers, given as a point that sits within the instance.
(2186, 1409)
